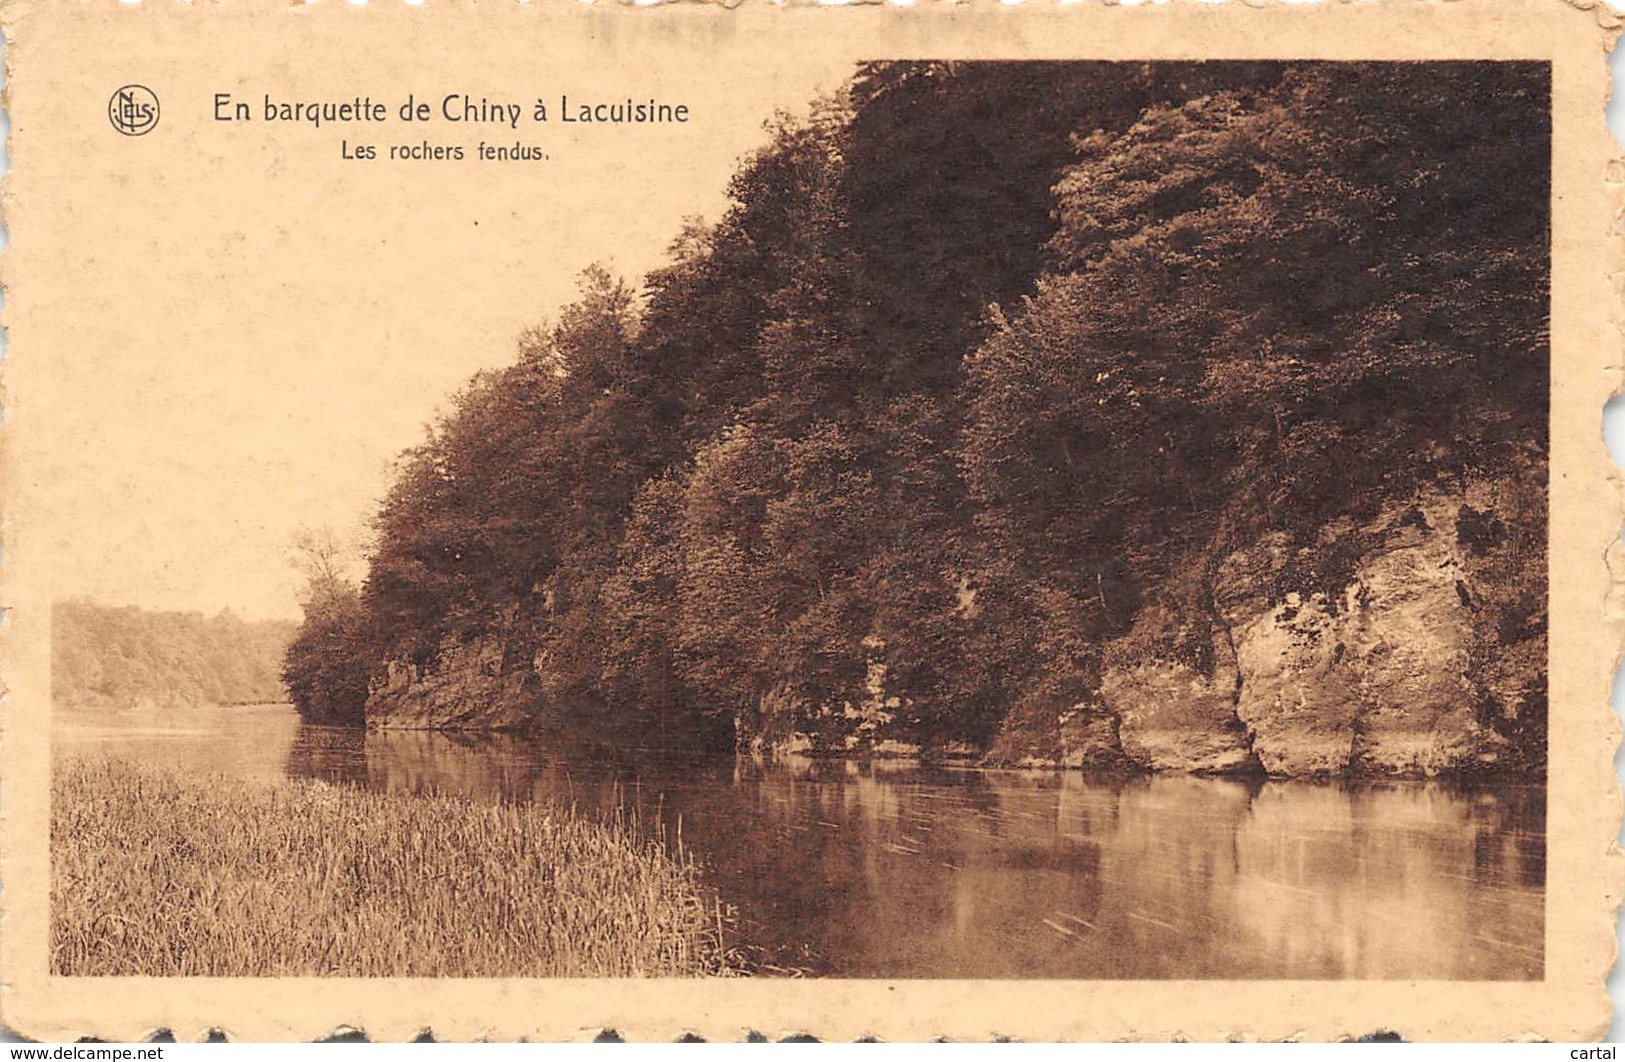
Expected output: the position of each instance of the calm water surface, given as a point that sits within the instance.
(846, 870)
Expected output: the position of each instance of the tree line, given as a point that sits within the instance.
(117, 658)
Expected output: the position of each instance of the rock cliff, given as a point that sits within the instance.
(465, 687)
(1389, 672)
(1406, 664)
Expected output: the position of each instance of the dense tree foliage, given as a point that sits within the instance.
(1267, 310)
(983, 359)
(120, 658)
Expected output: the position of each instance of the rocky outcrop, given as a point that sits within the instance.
(1176, 710)
(1377, 673)
(1373, 678)
(465, 687)
(1410, 625)
(1089, 738)
(1298, 700)
(1047, 729)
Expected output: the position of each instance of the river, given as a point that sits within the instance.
(853, 870)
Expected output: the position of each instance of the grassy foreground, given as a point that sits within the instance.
(159, 874)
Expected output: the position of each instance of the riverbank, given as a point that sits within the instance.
(159, 873)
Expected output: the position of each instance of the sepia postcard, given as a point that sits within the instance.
(1053, 521)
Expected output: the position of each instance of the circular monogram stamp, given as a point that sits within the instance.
(133, 110)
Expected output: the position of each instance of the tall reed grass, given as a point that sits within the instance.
(159, 874)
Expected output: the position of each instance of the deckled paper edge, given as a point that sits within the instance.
(707, 1023)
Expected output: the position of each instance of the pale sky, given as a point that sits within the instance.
(248, 328)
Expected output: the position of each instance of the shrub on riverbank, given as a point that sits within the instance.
(158, 874)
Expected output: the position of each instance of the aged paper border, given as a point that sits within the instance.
(1587, 603)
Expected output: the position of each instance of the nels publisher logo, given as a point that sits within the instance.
(133, 110)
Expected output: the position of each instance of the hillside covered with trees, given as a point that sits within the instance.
(112, 658)
(1082, 413)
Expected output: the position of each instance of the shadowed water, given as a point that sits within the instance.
(859, 871)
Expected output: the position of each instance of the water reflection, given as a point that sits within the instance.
(919, 872)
